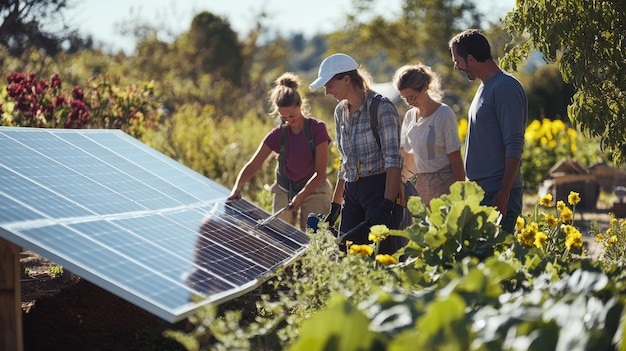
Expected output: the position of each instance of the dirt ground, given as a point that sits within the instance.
(68, 313)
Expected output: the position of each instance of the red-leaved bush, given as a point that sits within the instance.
(42, 104)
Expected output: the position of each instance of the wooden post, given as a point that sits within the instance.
(10, 298)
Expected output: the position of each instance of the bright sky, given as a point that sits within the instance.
(104, 18)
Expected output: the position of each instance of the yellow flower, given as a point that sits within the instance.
(612, 240)
(519, 224)
(364, 250)
(599, 237)
(613, 221)
(551, 220)
(378, 233)
(386, 259)
(560, 205)
(573, 237)
(557, 126)
(546, 200)
(572, 133)
(573, 198)
(566, 214)
(609, 231)
(540, 239)
(575, 242)
(462, 128)
(527, 236)
(337, 163)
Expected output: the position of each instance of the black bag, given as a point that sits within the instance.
(404, 218)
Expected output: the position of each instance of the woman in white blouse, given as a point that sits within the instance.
(429, 132)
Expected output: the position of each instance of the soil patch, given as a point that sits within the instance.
(65, 312)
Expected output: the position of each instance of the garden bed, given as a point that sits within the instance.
(66, 312)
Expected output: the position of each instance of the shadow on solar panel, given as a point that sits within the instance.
(229, 249)
(133, 221)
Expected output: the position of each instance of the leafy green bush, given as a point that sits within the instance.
(459, 285)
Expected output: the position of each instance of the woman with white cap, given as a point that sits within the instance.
(369, 176)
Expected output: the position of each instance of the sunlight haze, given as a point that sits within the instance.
(103, 20)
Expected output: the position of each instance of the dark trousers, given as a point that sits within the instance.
(361, 200)
(513, 209)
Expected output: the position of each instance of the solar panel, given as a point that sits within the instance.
(133, 221)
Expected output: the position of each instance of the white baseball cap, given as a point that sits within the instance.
(332, 65)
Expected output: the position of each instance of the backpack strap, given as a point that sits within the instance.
(376, 99)
(283, 147)
(307, 134)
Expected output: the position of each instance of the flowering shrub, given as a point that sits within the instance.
(553, 234)
(32, 102)
(612, 243)
(548, 141)
(38, 103)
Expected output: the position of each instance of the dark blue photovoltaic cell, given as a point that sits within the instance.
(134, 221)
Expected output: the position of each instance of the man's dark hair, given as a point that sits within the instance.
(471, 42)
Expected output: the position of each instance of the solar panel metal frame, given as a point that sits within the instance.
(113, 211)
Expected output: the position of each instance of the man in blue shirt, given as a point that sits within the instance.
(497, 121)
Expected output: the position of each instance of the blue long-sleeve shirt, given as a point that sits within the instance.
(359, 152)
(497, 121)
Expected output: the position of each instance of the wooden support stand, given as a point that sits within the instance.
(10, 298)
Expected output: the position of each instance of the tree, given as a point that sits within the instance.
(24, 22)
(214, 47)
(419, 33)
(587, 38)
(548, 95)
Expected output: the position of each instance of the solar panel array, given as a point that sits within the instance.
(133, 221)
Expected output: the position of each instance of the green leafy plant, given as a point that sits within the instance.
(489, 293)
(456, 226)
(56, 270)
(613, 243)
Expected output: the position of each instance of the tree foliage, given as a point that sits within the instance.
(213, 47)
(23, 23)
(548, 94)
(587, 39)
(420, 32)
